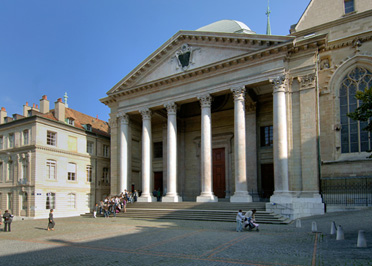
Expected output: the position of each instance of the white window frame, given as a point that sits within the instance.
(71, 172)
(26, 137)
(51, 138)
(50, 200)
(106, 150)
(89, 171)
(51, 170)
(1, 142)
(11, 140)
(90, 147)
(71, 200)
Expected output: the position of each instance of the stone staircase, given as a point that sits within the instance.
(216, 211)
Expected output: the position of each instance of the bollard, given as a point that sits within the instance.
(340, 233)
(333, 228)
(362, 242)
(314, 227)
(298, 223)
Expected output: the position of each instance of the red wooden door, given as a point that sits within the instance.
(219, 183)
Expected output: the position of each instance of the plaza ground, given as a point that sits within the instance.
(122, 241)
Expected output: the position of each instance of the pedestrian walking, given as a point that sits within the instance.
(51, 222)
(8, 218)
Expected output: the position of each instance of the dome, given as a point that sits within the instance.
(227, 26)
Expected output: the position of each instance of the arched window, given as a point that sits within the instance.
(353, 137)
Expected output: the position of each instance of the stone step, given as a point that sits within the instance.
(200, 206)
(202, 215)
(216, 211)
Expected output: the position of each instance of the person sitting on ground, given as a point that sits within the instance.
(239, 220)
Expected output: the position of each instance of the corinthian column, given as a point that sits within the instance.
(241, 192)
(146, 156)
(124, 154)
(171, 195)
(280, 142)
(206, 151)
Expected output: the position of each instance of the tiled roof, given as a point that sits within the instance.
(99, 127)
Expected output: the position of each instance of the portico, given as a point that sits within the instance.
(204, 123)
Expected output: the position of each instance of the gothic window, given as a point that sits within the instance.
(353, 137)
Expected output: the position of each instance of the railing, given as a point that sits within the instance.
(348, 191)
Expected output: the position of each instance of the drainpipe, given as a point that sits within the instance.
(318, 122)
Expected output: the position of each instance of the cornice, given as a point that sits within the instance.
(180, 78)
(348, 41)
(335, 23)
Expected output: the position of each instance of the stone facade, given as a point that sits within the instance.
(45, 162)
(239, 116)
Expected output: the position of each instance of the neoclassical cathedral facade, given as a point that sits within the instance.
(223, 113)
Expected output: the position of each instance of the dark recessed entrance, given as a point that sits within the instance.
(219, 183)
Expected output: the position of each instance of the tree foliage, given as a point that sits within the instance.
(364, 111)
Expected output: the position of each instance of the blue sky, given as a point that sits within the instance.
(84, 47)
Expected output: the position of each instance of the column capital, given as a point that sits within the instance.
(307, 81)
(279, 83)
(146, 113)
(205, 100)
(171, 108)
(123, 118)
(113, 123)
(238, 93)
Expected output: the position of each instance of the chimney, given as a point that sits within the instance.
(59, 110)
(35, 107)
(26, 108)
(3, 114)
(44, 104)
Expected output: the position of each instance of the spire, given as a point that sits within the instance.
(65, 98)
(268, 28)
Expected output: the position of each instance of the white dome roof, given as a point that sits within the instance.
(228, 26)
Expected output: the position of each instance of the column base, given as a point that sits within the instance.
(171, 198)
(146, 198)
(241, 196)
(206, 198)
(294, 205)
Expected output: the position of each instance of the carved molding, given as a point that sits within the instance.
(238, 93)
(146, 113)
(324, 64)
(113, 123)
(123, 118)
(307, 81)
(205, 100)
(279, 83)
(171, 108)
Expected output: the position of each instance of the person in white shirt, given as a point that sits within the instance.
(239, 220)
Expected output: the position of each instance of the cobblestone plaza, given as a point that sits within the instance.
(118, 241)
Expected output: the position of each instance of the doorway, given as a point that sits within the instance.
(219, 182)
(158, 181)
(267, 180)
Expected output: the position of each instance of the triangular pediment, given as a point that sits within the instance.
(188, 51)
